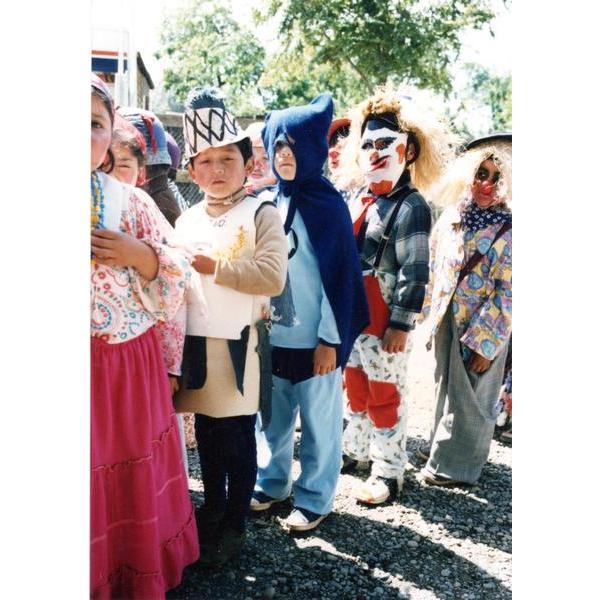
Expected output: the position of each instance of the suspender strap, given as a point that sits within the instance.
(477, 256)
(388, 228)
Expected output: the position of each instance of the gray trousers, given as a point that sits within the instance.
(465, 414)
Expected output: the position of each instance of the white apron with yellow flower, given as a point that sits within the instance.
(230, 236)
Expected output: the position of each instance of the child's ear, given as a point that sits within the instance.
(249, 167)
(190, 170)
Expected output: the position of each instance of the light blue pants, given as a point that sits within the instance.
(319, 400)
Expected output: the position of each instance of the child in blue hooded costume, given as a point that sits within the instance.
(316, 319)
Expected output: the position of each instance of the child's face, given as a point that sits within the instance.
(485, 184)
(126, 165)
(261, 160)
(334, 154)
(382, 156)
(285, 162)
(101, 132)
(220, 172)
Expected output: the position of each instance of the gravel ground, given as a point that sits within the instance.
(430, 543)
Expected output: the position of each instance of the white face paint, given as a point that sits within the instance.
(382, 158)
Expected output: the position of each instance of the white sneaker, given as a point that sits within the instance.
(301, 519)
(377, 490)
(260, 501)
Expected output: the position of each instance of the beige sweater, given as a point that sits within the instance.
(263, 275)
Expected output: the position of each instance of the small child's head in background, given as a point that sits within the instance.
(338, 132)
(218, 151)
(128, 149)
(262, 169)
(156, 156)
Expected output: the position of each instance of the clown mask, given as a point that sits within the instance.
(485, 184)
(382, 156)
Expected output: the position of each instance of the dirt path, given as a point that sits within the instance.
(429, 544)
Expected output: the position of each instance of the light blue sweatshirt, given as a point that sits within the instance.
(314, 317)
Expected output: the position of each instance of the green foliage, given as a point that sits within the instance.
(345, 47)
(205, 45)
(481, 102)
(401, 40)
(493, 91)
(293, 81)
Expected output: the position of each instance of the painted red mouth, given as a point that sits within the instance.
(380, 163)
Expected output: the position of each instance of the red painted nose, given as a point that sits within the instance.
(487, 188)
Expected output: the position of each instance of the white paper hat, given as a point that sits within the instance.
(207, 124)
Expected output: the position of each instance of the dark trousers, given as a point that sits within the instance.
(227, 451)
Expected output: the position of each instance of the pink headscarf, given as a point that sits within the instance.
(103, 89)
(122, 123)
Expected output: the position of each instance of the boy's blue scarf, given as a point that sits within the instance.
(323, 211)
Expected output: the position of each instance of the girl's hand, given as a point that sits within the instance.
(116, 249)
(204, 264)
(174, 384)
(479, 364)
(323, 360)
(394, 340)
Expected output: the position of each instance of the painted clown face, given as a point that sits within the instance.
(382, 156)
(484, 188)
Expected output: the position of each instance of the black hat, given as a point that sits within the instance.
(504, 136)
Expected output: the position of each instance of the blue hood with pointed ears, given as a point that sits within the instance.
(323, 211)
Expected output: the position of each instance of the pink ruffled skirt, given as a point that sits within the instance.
(143, 530)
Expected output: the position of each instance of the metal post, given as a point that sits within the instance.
(132, 70)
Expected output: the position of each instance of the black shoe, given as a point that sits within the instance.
(209, 555)
(423, 451)
(350, 464)
(440, 480)
(230, 544)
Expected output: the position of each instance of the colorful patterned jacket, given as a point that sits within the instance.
(482, 303)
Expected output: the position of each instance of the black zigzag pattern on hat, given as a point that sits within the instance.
(219, 121)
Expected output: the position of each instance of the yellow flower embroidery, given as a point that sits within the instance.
(234, 250)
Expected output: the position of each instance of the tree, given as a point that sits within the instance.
(494, 91)
(204, 45)
(296, 80)
(402, 40)
(482, 103)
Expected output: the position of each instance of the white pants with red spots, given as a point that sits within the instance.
(377, 406)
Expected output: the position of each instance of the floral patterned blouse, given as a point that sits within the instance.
(124, 305)
(482, 303)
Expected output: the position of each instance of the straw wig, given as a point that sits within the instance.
(434, 140)
(455, 185)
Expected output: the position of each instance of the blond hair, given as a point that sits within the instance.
(455, 184)
(432, 133)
